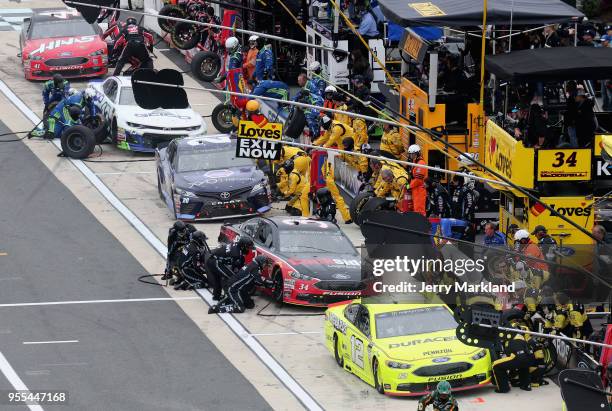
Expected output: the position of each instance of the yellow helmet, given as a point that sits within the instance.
(252, 106)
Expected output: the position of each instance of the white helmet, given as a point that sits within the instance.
(314, 66)
(521, 235)
(90, 92)
(253, 38)
(414, 148)
(231, 43)
(72, 91)
(326, 122)
(330, 89)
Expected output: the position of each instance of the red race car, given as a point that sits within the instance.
(62, 42)
(314, 261)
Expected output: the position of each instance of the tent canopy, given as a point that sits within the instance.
(549, 64)
(456, 13)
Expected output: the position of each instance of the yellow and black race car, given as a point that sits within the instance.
(403, 349)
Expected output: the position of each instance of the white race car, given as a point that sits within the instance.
(134, 128)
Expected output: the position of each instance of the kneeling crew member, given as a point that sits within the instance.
(518, 358)
(335, 132)
(298, 185)
(178, 237)
(237, 298)
(224, 260)
(190, 262)
(441, 399)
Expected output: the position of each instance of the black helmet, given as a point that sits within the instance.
(245, 243)
(58, 79)
(324, 196)
(75, 112)
(191, 228)
(131, 20)
(348, 143)
(179, 226)
(199, 238)
(262, 260)
(288, 165)
(210, 10)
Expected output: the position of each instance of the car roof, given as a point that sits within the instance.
(41, 18)
(204, 143)
(301, 223)
(386, 308)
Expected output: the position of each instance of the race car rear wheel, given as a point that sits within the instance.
(357, 204)
(97, 124)
(185, 36)
(279, 284)
(169, 10)
(378, 383)
(222, 118)
(337, 355)
(206, 65)
(78, 141)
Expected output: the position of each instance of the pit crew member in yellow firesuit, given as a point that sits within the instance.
(518, 358)
(359, 163)
(298, 186)
(334, 132)
(287, 153)
(391, 142)
(327, 169)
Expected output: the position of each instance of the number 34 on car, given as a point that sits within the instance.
(403, 349)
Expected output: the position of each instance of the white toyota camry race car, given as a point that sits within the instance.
(134, 128)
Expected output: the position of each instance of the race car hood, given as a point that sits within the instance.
(63, 47)
(220, 180)
(440, 346)
(327, 267)
(167, 119)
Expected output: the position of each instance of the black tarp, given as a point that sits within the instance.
(469, 12)
(559, 63)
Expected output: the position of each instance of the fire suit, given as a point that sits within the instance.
(330, 183)
(272, 88)
(311, 114)
(391, 144)
(176, 241)
(190, 264)
(221, 264)
(136, 43)
(342, 118)
(438, 404)
(287, 152)
(316, 86)
(401, 178)
(357, 162)
(438, 203)
(234, 60)
(50, 93)
(463, 203)
(249, 64)
(237, 290)
(417, 187)
(334, 136)
(298, 187)
(360, 129)
(519, 358)
(264, 64)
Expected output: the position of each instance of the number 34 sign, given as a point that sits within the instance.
(566, 165)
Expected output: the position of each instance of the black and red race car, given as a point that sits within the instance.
(315, 263)
(61, 41)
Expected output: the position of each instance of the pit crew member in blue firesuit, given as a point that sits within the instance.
(223, 262)
(190, 263)
(264, 64)
(316, 84)
(312, 115)
(237, 292)
(66, 113)
(271, 88)
(441, 399)
(54, 90)
(178, 237)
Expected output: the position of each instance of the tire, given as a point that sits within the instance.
(185, 36)
(170, 10)
(550, 357)
(339, 358)
(222, 118)
(114, 132)
(277, 291)
(97, 124)
(294, 126)
(357, 204)
(206, 65)
(379, 385)
(78, 142)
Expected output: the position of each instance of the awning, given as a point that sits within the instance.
(549, 64)
(455, 13)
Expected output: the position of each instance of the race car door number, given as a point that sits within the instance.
(357, 351)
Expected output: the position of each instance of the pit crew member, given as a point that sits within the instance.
(136, 42)
(224, 260)
(441, 399)
(190, 264)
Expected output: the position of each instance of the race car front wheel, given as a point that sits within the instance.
(78, 142)
(277, 290)
(97, 124)
(169, 10)
(222, 118)
(206, 65)
(337, 355)
(378, 383)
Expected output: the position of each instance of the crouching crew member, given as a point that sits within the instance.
(518, 359)
(191, 263)
(224, 260)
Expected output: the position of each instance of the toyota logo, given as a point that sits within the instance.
(225, 195)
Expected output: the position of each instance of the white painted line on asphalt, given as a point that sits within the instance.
(277, 369)
(49, 342)
(116, 173)
(11, 278)
(14, 379)
(121, 300)
(285, 333)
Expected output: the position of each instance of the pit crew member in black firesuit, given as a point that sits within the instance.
(138, 42)
(224, 261)
(190, 263)
(518, 359)
(438, 200)
(178, 237)
(441, 399)
(237, 298)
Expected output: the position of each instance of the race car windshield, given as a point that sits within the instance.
(50, 29)
(411, 322)
(126, 98)
(314, 242)
(215, 160)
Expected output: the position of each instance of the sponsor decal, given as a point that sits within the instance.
(338, 324)
(603, 169)
(342, 293)
(225, 195)
(564, 164)
(427, 9)
(340, 276)
(162, 114)
(441, 360)
(250, 145)
(445, 377)
(63, 42)
(67, 68)
(582, 211)
(218, 173)
(423, 341)
(437, 352)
